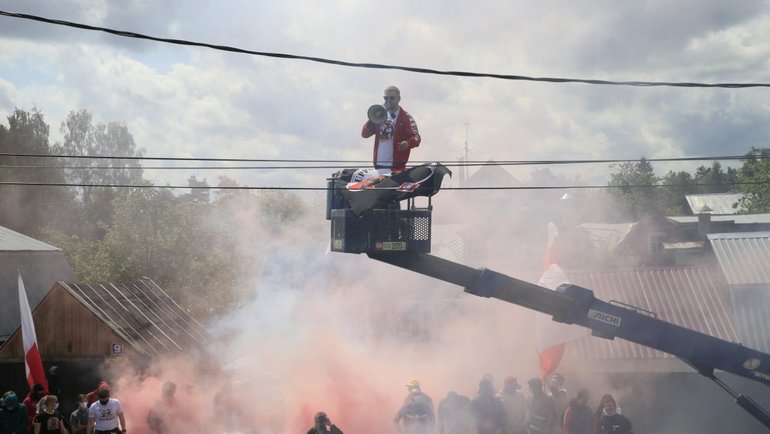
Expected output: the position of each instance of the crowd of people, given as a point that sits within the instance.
(38, 413)
(548, 409)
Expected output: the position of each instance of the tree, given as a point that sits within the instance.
(84, 138)
(715, 180)
(635, 184)
(676, 186)
(196, 192)
(29, 209)
(754, 177)
(170, 239)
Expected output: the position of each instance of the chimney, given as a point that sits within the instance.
(704, 221)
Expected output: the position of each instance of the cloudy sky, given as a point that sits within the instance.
(197, 102)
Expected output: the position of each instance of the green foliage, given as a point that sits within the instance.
(29, 209)
(634, 183)
(754, 177)
(84, 137)
(642, 193)
(205, 250)
(715, 180)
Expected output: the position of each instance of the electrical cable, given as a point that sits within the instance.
(127, 34)
(452, 163)
(249, 187)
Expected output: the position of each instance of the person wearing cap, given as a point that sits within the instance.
(515, 406)
(92, 396)
(323, 425)
(416, 415)
(395, 137)
(542, 410)
(104, 415)
(578, 418)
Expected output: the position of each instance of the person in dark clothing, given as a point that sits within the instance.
(542, 410)
(13, 415)
(455, 415)
(613, 422)
(49, 420)
(322, 424)
(54, 384)
(600, 408)
(35, 395)
(578, 418)
(489, 410)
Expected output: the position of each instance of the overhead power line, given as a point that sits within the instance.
(251, 187)
(343, 162)
(419, 70)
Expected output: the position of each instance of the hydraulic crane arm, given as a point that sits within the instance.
(572, 304)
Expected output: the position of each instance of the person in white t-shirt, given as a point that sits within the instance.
(104, 414)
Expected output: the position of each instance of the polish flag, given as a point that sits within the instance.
(33, 364)
(552, 336)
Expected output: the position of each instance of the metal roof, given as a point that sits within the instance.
(739, 219)
(718, 203)
(752, 310)
(14, 241)
(745, 259)
(743, 256)
(143, 314)
(692, 297)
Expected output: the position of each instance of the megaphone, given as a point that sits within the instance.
(377, 114)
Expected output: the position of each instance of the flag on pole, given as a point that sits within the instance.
(33, 364)
(553, 336)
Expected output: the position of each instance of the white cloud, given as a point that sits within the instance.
(182, 101)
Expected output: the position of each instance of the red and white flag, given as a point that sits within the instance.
(33, 364)
(553, 336)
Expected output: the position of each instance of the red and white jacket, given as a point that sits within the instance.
(405, 128)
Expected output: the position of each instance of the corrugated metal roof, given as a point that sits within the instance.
(14, 241)
(752, 310)
(719, 203)
(739, 219)
(143, 314)
(692, 297)
(745, 261)
(743, 256)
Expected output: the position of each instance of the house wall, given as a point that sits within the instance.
(66, 330)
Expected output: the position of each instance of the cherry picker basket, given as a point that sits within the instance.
(381, 230)
(385, 228)
(376, 230)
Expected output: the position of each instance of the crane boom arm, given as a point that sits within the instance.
(572, 304)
